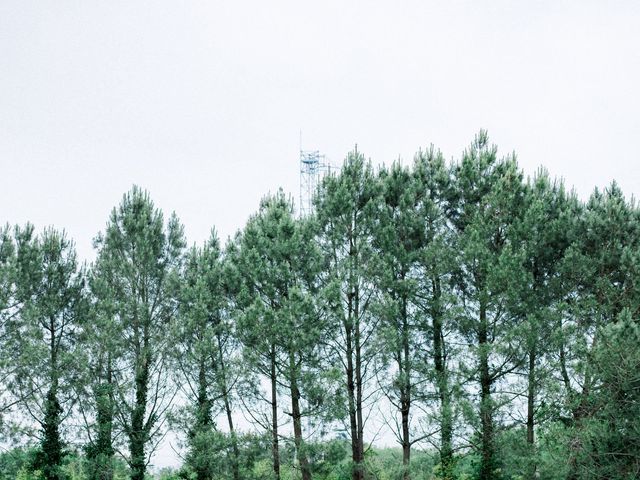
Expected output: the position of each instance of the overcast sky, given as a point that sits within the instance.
(202, 102)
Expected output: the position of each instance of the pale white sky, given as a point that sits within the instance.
(201, 102)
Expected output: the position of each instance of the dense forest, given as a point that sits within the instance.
(486, 321)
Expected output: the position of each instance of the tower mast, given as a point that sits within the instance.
(313, 166)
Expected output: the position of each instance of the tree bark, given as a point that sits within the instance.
(359, 473)
(203, 420)
(138, 434)
(101, 458)
(351, 396)
(531, 395)
(486, 404)
(406, 445)
(442, 384)
(227, 407)
(353, 352)
(51, 443)
(297, 421)
(405, 394)
(275, 448)
(234, 440)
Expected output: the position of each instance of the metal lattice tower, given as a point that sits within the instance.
(313, 167)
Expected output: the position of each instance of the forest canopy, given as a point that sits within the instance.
(485, 321)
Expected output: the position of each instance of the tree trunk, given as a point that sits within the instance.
(51, 442)
(297, 421)
(353, 423)
(101, 457)
(359, 473)
(580, 411)
(405, 394)
(486, 404)
(227, 407)
(234, 440)
(203, 422)
(138, 434)
(531, 395)
(354, 361)
(442, 384)
(406, 445)
(275, 449)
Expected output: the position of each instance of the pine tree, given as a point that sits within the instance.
(8, 308)
(611, 435)
(50, 287)
(600, 270)
(142, 258)
(204, 355)
(99, 340)
(540, 238)
(434, 297)
(346, 207)
(398, 241)
(276, 264)
(483, 203)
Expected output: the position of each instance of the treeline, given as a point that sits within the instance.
(487, 321)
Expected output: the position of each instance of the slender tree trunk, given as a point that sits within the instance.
(354, 362)
(275, 448)
(349, 328)
(234, 440)
(405, 394)
(486, 404)
(359, 386)
(406, 445)
(580, 412)
(353, 423)
(354, 354)
(531, 395)
(572, 474)
(532, 383)
(138, 434)
(51, 443)
(565, 374)
(297, 421)
(101, 458)
(203, 421)
(442, 384)
(227, 407)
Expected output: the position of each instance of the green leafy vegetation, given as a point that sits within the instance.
(427, 321)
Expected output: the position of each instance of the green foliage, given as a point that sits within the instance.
(139, 262)
(275, 264)
(346, 206)
(20, 463)
(7, 309)
(17, 463)
(204, 356)
(610, 437)
(485, 199)
(42, 334)
(490, 322)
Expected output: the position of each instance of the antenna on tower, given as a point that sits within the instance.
(313, 166)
